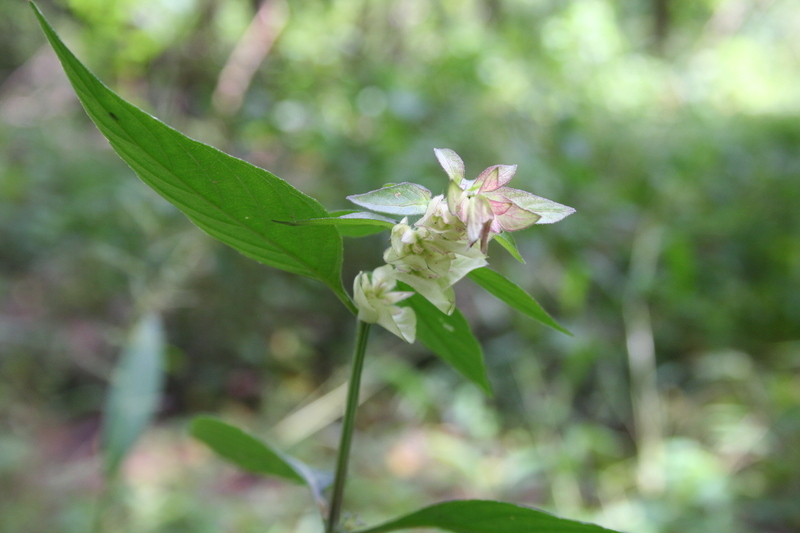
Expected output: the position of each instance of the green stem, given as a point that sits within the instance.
(348, 425)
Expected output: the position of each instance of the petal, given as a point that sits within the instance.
(494, 177)
(439, 264)
(402, 321)
(455, 196)
(427, 220)
(548, 210)
(451, 163)
(385, 277)
(361, 288)
(464, 264)
(507, 215)
(478, 217)
(431, 289)
(499, 208)
(516, 218)
(398, 296)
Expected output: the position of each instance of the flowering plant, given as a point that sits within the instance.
(265, 218)
(451, 239)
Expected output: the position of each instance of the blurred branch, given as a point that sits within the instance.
(247, 56)
(730, 17)
(324, 410)
(645, 398)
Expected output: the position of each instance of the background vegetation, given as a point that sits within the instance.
(671, 126)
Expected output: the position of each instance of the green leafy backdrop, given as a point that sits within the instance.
(674, 137)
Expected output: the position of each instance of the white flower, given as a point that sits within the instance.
(427, 260)
(448, 242)
(439, 219)
(375, 298)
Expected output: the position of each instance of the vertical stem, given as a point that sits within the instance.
(348, 425)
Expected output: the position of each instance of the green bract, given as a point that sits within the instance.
(402, 199)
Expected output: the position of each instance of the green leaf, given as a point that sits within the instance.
(480, 516)
(226, 197)
(350, 223)
(449, 337)
(253, 455)
(402, 199)
(509, 292)
(135, 390)
(507, 241)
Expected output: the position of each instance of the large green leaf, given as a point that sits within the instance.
(480, 516)
(253, 455)
(228, 198)
(509, 292)
(135, 390)
(449, 337)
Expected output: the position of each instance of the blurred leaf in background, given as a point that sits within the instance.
(670, 125)
(135, 392)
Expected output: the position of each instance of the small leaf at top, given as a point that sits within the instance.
(509, 292)
(449, 337)
(135, 390)
(404, 199)
(253, 455)
(226, 197)
(481, 516)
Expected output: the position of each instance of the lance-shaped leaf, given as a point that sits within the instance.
(509, 292)
(350, 223)
(404, 199)
(135, 390)
(449, 337)
(480, 516)
(228, 198)
(253, 455)
(507, 241)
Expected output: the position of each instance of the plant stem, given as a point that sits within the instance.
(348, 425)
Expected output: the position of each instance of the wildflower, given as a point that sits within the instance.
(439, 219)
(487, 207)
(447, 242)
(375, 298)
(431, 263)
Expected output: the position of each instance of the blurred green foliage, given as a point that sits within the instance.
(671, 126)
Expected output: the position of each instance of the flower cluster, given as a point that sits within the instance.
(448, 241)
